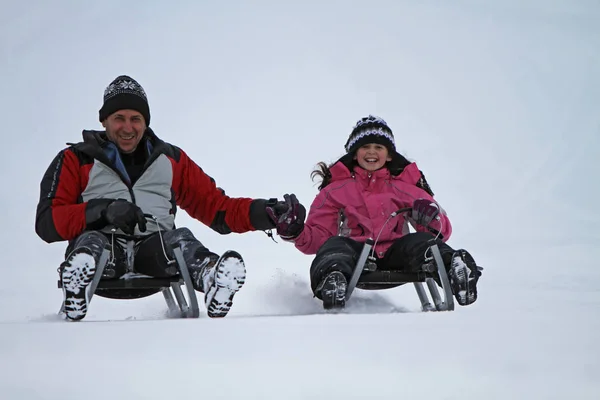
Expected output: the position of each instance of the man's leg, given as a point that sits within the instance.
(77, 271)
(331, 270)
(410, 253)
(154, 258)
(219, 278)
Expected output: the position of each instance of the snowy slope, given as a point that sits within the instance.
(496, 101)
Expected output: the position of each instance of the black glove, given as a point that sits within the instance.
(288, 217)
(424, 211)
(125, 216)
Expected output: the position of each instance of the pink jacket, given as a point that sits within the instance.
(367, 200)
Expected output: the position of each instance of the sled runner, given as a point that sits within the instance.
(133, 285)
(366, 276)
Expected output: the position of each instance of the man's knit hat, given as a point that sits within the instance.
(124, 93)
(370, 129)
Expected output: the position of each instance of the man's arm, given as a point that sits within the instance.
(60, 216)
(198, 194)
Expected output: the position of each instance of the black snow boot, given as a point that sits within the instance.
(221, 281)
(464, 273)
(332, 291)
(76, 274)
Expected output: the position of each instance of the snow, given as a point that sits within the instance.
(497, 103)
(358, 356)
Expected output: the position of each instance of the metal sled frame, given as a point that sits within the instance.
(178, 306)
(387, 279)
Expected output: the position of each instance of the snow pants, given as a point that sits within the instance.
(151, 255)
(406, 254)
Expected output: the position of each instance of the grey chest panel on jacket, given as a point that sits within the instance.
(151, 192)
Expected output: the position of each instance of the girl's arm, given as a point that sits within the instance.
(320, 225)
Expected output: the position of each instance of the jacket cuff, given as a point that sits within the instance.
(94, 218)
(259, 218)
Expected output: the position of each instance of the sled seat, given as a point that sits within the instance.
(378, 280)
(137, 283)
(135, 286)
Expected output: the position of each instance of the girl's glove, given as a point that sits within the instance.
(424, 211)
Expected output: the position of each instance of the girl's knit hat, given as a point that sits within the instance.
(370, 129)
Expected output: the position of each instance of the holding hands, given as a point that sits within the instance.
(288, 216)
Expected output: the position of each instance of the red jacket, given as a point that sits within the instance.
(88, 172)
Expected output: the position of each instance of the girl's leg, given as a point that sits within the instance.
(332, 268)
(410, 252)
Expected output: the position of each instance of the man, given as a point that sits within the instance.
(98, 193)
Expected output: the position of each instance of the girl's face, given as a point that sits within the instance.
(372, 156)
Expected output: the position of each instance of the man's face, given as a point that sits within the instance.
(125, 128)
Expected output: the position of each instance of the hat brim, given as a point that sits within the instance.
(377, 139)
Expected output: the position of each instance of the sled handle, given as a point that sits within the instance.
(437, 218)
(160, 236)
(405, 209)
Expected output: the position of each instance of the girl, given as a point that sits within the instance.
(367, 185)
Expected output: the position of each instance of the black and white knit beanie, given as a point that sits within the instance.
(370, 129)
(125, 93)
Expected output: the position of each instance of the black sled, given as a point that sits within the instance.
(366, 276)
(135, 285)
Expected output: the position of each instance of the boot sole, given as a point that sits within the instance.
(77, 274)
(463, 279)
(230, 276)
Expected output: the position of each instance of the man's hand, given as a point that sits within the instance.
(125, 215)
